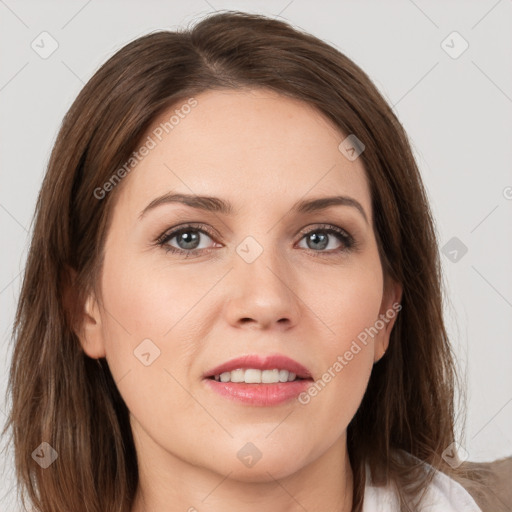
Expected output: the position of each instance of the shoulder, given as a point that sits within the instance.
(442, 495)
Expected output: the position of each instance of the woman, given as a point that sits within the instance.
(232, 296)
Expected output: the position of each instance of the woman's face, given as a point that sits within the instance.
(265, 278)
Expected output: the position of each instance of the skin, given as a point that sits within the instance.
(262, 152)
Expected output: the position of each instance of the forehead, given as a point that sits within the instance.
(245, 146)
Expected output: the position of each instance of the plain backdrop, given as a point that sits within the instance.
(452, 92)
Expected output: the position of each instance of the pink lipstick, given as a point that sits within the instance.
(259, 380)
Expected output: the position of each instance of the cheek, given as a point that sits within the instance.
(346, 298)
(152, 300)
(340, 384)
(350, 306)
(144, 311)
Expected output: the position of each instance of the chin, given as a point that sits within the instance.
(262, 472)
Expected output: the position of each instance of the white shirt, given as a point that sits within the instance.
(443, 495)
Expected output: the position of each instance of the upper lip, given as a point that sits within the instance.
(261, 362)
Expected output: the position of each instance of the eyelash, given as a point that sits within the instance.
(347, 240)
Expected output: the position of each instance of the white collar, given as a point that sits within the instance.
(443, 495)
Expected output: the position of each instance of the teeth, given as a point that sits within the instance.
(254, 376)
(236, 376)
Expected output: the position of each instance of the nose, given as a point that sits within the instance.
(262, 295)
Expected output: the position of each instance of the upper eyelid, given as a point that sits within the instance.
(172, 232)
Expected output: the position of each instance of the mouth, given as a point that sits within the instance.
(256, 376)
(259, 380)
(259, 369)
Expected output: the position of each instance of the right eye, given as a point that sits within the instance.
(188, 239)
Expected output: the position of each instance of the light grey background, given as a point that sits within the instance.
(457, 111)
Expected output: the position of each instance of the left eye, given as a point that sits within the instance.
(318, 239)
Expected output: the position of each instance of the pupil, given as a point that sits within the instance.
(190, 241)
(314, 237)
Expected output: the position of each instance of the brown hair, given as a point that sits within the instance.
(63, 397)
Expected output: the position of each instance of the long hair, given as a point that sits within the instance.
(64, 398)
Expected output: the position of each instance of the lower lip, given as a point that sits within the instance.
(262, 395)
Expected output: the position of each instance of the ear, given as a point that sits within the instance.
(91, 332)
(85, 317)
(388, 313)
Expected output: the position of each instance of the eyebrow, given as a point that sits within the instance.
(218, 205)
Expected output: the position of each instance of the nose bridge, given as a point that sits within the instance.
(258, 258)
(263, 289)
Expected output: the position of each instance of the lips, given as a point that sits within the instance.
(260, 362)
